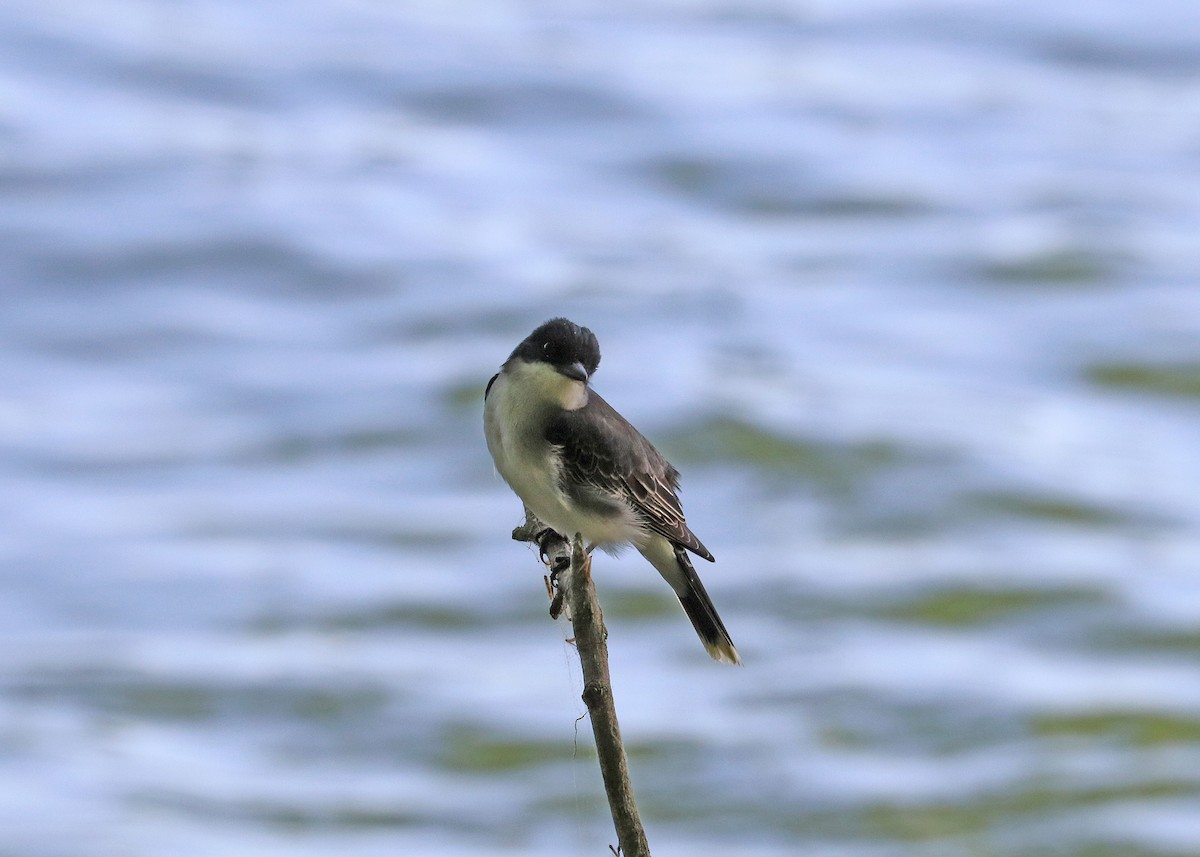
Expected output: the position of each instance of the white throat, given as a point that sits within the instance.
(540, 385)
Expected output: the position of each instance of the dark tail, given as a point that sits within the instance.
(700, 610)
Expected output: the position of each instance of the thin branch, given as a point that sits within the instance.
(571, 570)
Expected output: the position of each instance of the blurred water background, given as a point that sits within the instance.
(909, 291)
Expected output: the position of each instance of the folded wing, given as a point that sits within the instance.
(605, 459)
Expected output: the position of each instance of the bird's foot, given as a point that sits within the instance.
(543, 539)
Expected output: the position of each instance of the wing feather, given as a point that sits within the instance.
(606, 460)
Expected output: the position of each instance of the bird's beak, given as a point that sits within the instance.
(575, 372)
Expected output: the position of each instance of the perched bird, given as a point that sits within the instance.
(580, 467)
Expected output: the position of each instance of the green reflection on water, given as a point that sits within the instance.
(1180, 379)
(1162, 641)
(1065, 267)
(1052, 509)
(774, 190)
(1139, 728)
(941, 819)
(833, 465)
(968, 606)
(469, 749)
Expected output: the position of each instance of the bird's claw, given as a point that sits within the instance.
(543, 538)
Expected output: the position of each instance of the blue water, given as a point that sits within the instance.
(908, 291)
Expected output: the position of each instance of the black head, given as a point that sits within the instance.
(569, 348)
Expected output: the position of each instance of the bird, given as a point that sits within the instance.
(580, 467)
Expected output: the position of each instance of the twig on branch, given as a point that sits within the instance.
(571, 574)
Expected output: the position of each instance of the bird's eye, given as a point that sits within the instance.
(546, 347)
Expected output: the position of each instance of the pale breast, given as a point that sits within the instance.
(515, 426)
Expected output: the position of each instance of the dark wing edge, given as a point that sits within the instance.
(601, 449)
(488, 388)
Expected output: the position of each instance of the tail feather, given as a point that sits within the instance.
(700, 610)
